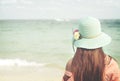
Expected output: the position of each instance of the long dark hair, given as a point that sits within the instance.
(88, 64)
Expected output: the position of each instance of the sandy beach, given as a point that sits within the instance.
(30, 74)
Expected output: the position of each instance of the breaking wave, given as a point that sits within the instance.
(19, 62)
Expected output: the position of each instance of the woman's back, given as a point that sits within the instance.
(111, 70)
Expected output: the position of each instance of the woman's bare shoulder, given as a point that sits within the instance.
(68, 65)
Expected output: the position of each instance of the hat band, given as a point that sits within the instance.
(92, 36)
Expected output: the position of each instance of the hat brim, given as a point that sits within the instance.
(93, 43)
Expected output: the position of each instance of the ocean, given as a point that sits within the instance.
(44, 44)
(35, 40)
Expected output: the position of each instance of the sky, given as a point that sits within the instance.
(59, 9)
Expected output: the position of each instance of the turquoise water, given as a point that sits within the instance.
(47, 41)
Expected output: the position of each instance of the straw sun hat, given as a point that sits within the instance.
(89, 35)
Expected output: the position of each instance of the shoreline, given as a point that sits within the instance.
(31, 73)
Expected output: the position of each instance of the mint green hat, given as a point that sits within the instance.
(89, 35)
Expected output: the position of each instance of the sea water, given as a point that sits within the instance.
(46, 43)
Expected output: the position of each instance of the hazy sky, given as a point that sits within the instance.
(53, 9)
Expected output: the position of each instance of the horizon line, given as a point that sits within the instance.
(61, 19)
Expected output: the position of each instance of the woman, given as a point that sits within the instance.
(90, 63)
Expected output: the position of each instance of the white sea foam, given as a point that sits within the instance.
(60, 19)
(18, 62)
